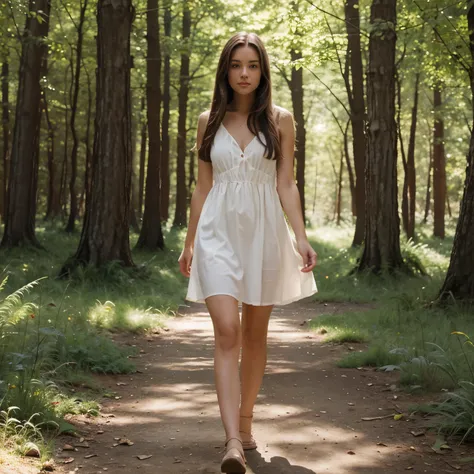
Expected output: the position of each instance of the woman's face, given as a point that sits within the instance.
(244, 70)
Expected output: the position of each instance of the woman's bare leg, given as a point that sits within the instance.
(224, 311)
(255, 321)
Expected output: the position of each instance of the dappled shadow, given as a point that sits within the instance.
(307, 417)
(276, 465)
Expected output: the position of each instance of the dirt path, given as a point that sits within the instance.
(307, 418)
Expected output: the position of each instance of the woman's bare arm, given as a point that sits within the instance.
(203, 185)
(288, 191)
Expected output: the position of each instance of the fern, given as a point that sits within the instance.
(12, 308)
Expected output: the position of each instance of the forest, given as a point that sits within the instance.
(100, 101)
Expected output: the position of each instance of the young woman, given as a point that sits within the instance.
(238, 246)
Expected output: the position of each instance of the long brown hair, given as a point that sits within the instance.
(261, 118)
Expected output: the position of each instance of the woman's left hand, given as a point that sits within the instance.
(310, 257)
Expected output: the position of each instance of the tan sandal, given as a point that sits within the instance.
(234, 459)
(251, 443)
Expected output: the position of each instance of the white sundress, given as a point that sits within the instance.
(243, 246)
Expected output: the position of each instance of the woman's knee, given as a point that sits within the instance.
(227, 337)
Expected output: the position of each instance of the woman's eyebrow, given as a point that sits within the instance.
(251, 61)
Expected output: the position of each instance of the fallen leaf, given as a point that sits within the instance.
(88, 456)
(142, 457)
(125, 441)
(350, 452)
(33, 453)
(373, 418)
(48, 466)
(68, 447)
(381, 444)
(454, 466)
(67, 460)
(409, 468)
(398, 416)
(417, 433)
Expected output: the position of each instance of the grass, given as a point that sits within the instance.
(428, 344)
(55, 333)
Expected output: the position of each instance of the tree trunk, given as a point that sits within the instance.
(180, 217)
(6, 136)
(71, 224)
(105, 233)
(382, 231)
(339, 189)
(151, 236)
(350, 172)
(411, 169)
(53, 204)
(357, 107)
(133, 190)
(23, 183)
(192, 176)
(141, 176)
(297, 99)
(402, 150)
(87, 174)
(428, 184)
(165, 134)
(459, 283)
(439, 167)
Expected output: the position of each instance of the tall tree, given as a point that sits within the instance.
(297, 99)
(180, 217)
(143, 144)
(165, 135)
(410, 175)
(439, 166)
(382, 230)
(23, 182)
(459, 282)
(6, 135)
(53, 203)
(355, 92)
(71, 224)
(105, 233)
(151, 235)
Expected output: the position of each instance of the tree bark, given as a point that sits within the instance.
(23, 183)
(411, 168)
(71, 224)
(350, 172)
(87, 173)
(165, 134)
(53, 203)
(357, 107)
(141, 176)
(105, 233)
(297, 99)
(151, 236)
(382, 231)
(428, 184)
(339, 189)
(459, 283)
(180, 216)
(6, 136)
(439, 167)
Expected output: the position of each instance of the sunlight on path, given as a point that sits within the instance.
(307, 418)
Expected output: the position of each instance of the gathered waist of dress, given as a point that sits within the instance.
(253, 176)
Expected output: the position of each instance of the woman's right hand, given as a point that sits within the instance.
(185, 261)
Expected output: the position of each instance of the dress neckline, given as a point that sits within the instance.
(235, 141)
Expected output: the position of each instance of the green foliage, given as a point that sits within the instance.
(22, 436)
(454, 415)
